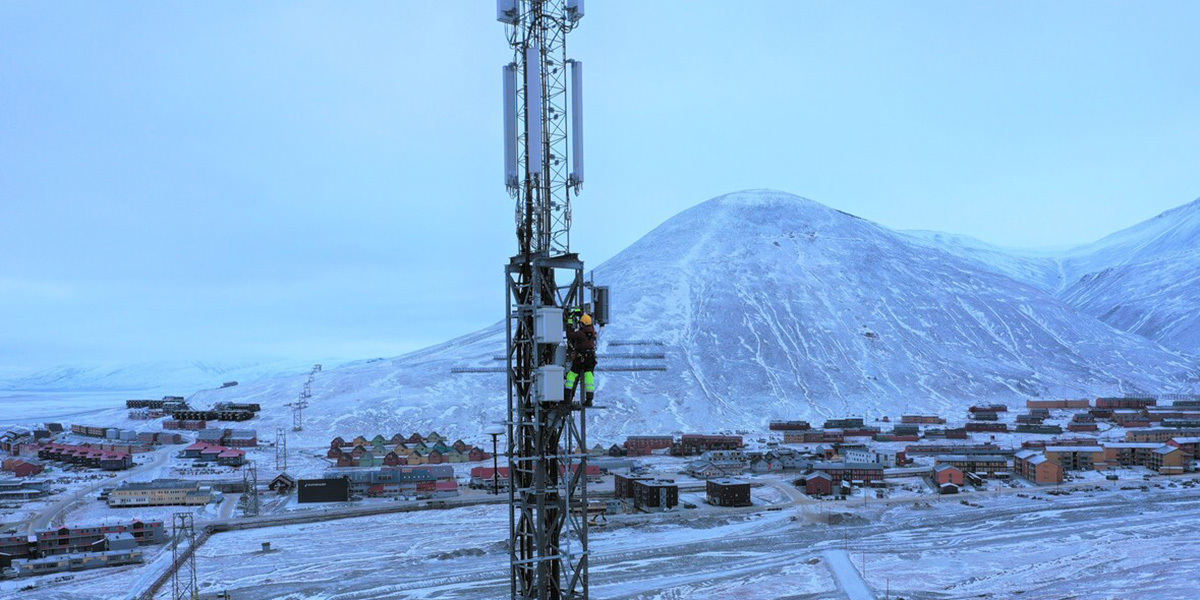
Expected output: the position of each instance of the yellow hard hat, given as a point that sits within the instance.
(586, 319)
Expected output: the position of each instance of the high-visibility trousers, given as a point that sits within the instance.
(589, 383)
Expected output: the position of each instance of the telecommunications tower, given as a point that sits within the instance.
(543, 170)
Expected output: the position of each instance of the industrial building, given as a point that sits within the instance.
(161, 492)
(329, 489)
(867, 455)
(422, 481)
(727, 492)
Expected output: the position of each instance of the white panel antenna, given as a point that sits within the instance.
(507, 12)
(533, 114)
(576, 124)
(575, 9)
(510, 126)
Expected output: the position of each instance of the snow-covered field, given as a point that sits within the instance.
(1106, 543)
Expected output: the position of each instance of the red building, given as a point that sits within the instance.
(927, 419)
(1191, 445)
(945, 473)
(1056, 404)
(857, 473)
(20, 467)
(482, 477)
(1125, 402)
(643, 445)
(818, 484)
(814, 436)
(692, 444)
(789, 426)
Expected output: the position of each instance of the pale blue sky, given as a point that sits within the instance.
(295, 179)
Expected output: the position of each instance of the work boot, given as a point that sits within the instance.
(587, 399)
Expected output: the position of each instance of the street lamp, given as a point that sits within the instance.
(495, 431)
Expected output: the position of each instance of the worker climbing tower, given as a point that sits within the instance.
(543, 170)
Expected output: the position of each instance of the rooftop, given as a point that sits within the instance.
(160, 484)
(972, 458)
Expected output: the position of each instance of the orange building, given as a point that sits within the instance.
(1035, 467)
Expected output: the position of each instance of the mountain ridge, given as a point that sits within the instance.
(767, 305)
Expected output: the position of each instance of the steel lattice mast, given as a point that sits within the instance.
(547, 450)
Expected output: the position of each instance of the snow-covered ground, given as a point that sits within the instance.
(1099, 543)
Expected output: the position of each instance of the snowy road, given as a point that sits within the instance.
(849, 580)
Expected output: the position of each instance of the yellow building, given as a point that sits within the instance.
(161, 492)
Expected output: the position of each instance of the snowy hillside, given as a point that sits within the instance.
(767, 306)
(177, 378)
(1144, 280)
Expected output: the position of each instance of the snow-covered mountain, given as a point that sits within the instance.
(1144, 279)
(176, 378)
(767, 306)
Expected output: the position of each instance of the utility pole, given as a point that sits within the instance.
(495, 431)
(184, 584)
(250, 496)
(280, 449)
(543, 170)
(301, 403)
